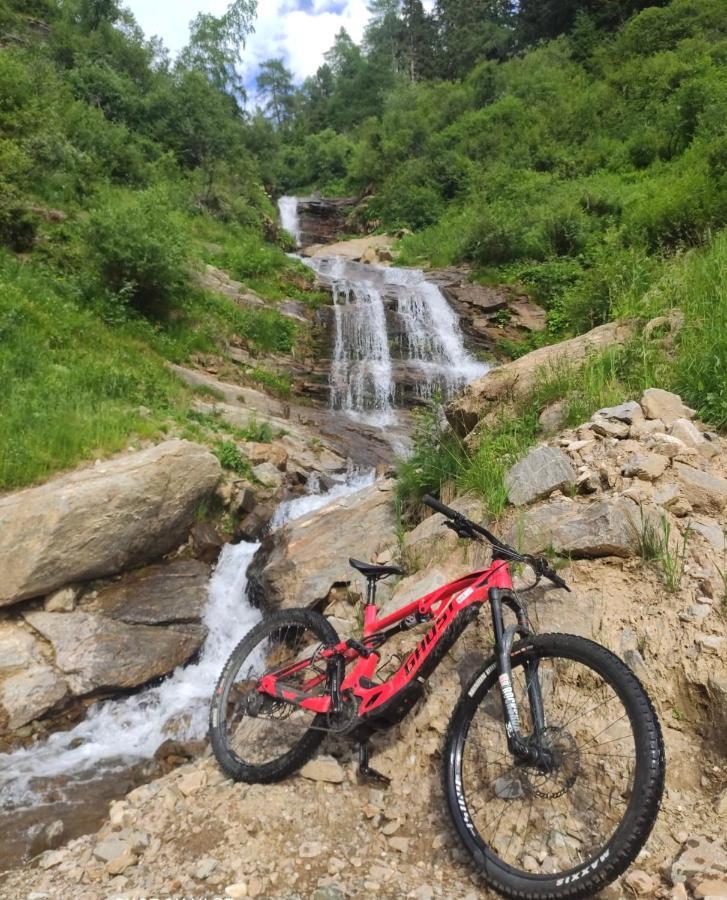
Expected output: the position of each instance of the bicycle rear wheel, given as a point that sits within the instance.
(568, 830)
(258, 738)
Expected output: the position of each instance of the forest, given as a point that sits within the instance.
(576, 148)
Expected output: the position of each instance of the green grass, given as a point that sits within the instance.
(73, 387)
(278, 383)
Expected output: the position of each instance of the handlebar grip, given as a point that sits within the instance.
(439, 507)
(557, 580)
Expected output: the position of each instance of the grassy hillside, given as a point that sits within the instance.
(121, 175)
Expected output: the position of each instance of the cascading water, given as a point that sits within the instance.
(375, 308)
(288, 211)
(118, 733)
(361, 370)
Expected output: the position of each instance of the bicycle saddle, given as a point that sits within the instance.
(373, 571)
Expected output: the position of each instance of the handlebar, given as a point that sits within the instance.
(467, 528)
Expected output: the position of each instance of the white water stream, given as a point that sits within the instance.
(288, 211)
(117, 733)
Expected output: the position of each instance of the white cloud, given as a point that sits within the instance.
(299, 31)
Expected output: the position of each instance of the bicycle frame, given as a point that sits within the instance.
(450, 609)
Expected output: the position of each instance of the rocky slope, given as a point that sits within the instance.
(602, 496)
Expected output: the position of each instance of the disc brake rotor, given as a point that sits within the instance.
(565, 769)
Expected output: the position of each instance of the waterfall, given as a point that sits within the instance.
(376, 309)
(118, 733)
(288, 211)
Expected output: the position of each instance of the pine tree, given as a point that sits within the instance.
(471, 31)
(275, 83)
(418, 40)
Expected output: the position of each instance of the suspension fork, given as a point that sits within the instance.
(504, 639)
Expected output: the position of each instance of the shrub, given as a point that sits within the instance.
(138, 248)
(231, 459)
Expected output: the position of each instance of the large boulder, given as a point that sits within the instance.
(608, 527)
(300, 563)
(542, 471)
(518, 378)
(95, 652)
(98, 521)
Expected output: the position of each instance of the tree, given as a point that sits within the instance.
(383, 33)
(215, 43)
(275, 83)
(94, 12)
(545, 19)
(471, 31)
(417, 41)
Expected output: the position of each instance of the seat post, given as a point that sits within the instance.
(371, 591)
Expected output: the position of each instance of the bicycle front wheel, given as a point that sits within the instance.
(566, 829)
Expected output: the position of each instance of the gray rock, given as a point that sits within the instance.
(607, 527)
(160, 594)
(63, 600)
(96, 652)
(646, 466)
(29, 686)
(430, 540)
(553, 417)
(100, 520)
(711, 531)
(628, 412)
(323, 768)
(666, 445)
(659, 404)
(629, 650)
(556, 610)
(609, 427)
(542, 471)
(300, 563)
(689, 434)
(29, 694)
(268, 475)
(707, 493)
(110, 849)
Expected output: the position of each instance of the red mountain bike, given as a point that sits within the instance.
(554, 761)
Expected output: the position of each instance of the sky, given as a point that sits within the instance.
(299, 31)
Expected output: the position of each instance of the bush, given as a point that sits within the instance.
(138, 248)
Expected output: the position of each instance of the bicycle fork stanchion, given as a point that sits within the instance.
(523, 750)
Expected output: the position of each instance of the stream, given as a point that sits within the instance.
(396, 341)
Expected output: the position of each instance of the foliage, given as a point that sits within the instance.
(672, 559)
(231, 459)
(66, 399)
(137, 248)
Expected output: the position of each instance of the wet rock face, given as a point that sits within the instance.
(323, 220)
(101, 520)
(156, 595)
